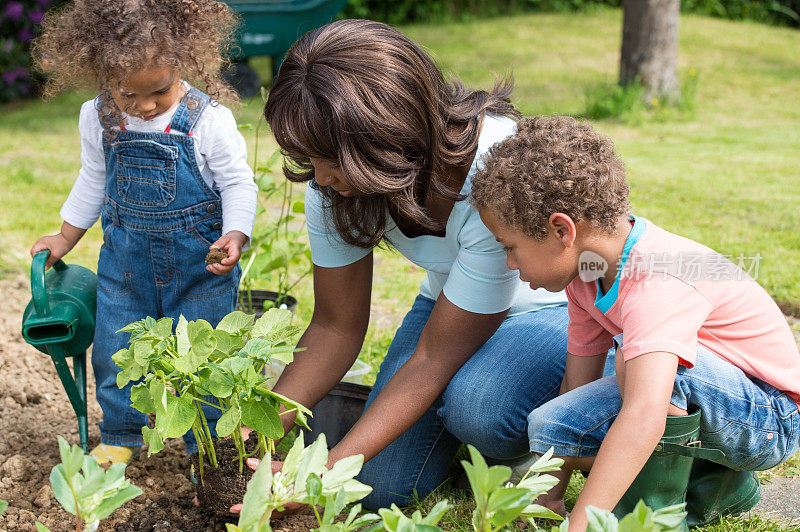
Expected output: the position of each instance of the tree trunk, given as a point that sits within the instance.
(650, 46)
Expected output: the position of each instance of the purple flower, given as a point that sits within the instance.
(36, 16)
(44, 3)
(8, 46)
(24, 35)
(9, 77)
(14, 10)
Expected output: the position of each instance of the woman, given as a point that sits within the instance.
(388, 149)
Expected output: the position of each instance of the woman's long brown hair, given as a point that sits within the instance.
(365, 96)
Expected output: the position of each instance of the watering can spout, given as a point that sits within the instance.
(58, 327)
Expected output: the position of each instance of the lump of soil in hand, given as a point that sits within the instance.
(215, 256)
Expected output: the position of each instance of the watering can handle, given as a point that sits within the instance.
(38, 289)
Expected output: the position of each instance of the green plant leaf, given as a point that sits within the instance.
(41, 528)
(60, 486)
(272, 323)
(152, 437)
(123, 378)
(3, 506)
(344, 469)
(158, 393)
(437, 512)
(71, 458)
(178, 417)
(312, 459)
(162, 328)
(120, 497)
(255, 505)
(218, 383)
(299, 207)
(506, 504)
(670, 517)
(600, 520)
(142, 349)
(226, 344)
(183, 343)
(229, 421)
(314, 487)
(234, 322)
(141, 399)
(200, 337)
(122, 358)
(94, 476)
(262, 416)
(191, 361)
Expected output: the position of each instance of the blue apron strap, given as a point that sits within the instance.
(189, 110)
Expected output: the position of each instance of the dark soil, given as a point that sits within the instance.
(221, 487)
(34, 409)
(216, 255)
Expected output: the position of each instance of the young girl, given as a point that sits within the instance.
(162, 164)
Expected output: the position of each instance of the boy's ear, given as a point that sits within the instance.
(563, 228)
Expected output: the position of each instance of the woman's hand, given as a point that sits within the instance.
(232, 243)
(59, 244)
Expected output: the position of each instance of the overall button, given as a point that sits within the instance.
(217, 226)
(191, 104)
(211, 208)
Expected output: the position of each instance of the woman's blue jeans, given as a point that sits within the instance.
(486, 403)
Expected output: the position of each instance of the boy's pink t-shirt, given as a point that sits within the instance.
(672, 294)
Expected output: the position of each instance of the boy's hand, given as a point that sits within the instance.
(59, 245)
(232, 243)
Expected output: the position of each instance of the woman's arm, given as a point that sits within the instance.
(333, 339)
(448, 340)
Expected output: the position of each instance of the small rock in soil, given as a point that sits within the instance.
(17, 467)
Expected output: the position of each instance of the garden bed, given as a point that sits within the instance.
(34, 409)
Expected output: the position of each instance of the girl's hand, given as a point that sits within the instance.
(232, 243)
(60, 244)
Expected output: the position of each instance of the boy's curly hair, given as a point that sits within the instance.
(94, 43)
(552, 164)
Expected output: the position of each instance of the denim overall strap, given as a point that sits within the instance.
(187, 114)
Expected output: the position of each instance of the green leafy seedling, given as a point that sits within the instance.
(178, 373)
(304, 478)
(85, 489)
(498, 502)
(394, 520)
(641, 519)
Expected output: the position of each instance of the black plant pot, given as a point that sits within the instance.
(337, 412)
(259, 297)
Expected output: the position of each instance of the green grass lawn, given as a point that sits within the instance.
(725, 175)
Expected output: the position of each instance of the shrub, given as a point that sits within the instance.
(19, 23)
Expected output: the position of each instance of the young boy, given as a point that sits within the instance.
(698, 341)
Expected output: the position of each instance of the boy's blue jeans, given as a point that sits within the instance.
(485, 404)
(756, 425)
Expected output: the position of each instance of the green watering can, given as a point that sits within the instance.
(59, 321)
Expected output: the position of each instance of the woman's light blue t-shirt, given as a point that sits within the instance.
(467, 264)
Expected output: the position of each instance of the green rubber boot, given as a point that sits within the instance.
(663, 480)
(715, 491)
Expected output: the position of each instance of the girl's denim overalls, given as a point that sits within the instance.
(159, 218)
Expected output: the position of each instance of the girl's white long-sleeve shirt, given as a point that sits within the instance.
(219, 148)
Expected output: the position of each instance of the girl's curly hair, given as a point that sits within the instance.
(94, 43)
(552, 164)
